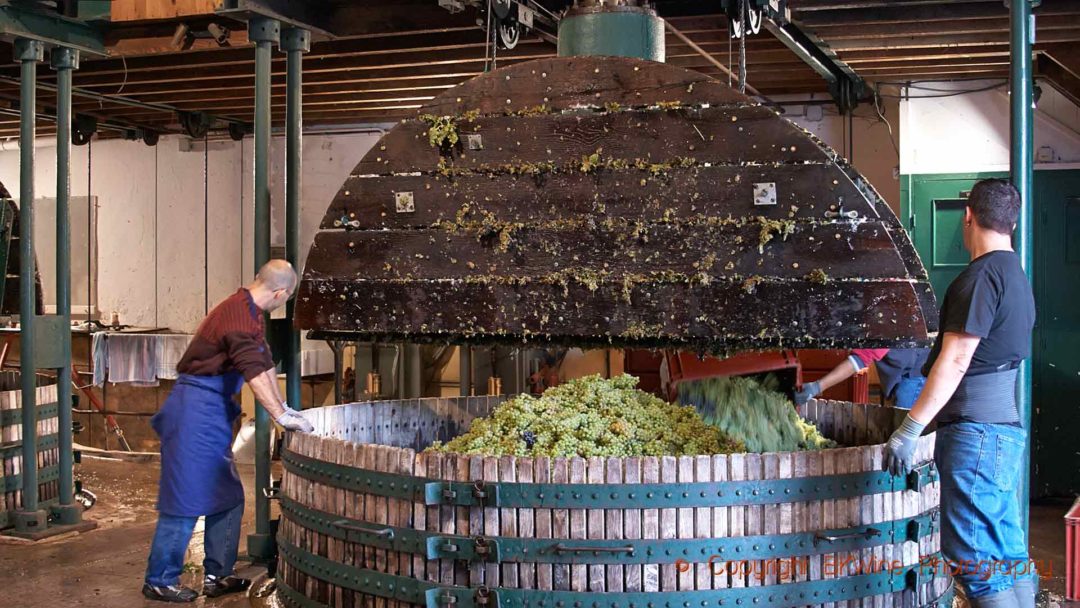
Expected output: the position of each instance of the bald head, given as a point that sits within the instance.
(277, 274)
(274, 284)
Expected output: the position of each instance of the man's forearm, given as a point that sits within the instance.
(841, 372)
(945, 376)
(266, 391)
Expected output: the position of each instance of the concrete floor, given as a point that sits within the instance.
(104, 568)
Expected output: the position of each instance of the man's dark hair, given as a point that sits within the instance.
(995, 204)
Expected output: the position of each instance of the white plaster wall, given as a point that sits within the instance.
(969, 132)
(151, 218)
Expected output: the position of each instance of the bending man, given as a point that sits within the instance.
(986, 322)
(899, 370)
(198, 476)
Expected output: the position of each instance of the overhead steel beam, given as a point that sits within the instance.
(845, 85)
(50, 29)
(1059, 76)
(313, 16)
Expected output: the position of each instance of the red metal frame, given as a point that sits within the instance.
(688, 366)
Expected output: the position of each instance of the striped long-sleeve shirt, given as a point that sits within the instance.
(231, 338)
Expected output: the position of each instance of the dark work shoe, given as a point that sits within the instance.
(172, 593)
(215, 586)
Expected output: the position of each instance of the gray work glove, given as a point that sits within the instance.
(808, 392)
(293, 421)
(900, 450)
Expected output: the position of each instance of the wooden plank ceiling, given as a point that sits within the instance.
(400, 54)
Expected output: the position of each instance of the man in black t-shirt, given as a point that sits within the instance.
(986, 321)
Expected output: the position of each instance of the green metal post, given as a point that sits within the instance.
(465, 370)
(64, 60)
(28, 53)
(295, 42)
(264, 33)
(1022, 27)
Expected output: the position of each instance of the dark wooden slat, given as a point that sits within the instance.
(712, 317)
(716, 135)
(711, 252)
(561, 84)
(677, 192)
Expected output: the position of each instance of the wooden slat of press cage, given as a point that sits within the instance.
(786, 573)
(432, 523)
(832, 517)
(578, 573)
(372, 558)
(650, 524)
(461, 517)
(526, 524)
(448, 517)
(560, 525)
(544, 529)
(754, 524)
(476, 522)
(508, 523)
(340, 452)
(492, 575)
(737, 517)
(718, 571)
(595, 522)
(614, 522)
(406, 463)
(867, 510)
(668, 523)
(703, 522)
(632, 521)
(419, 516)
(771, 522)
(877, 456)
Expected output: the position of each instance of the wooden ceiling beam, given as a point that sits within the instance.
(951, 28)
(855, 43)
(938, 11)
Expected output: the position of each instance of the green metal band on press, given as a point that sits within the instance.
(10, 417)
(44, 442)
(497, 549)
(45, 474)
(604, 496)
(433, 595)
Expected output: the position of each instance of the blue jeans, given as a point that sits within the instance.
(981, 534)
(221, 540)
(907, 391)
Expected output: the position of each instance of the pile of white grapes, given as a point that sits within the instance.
(592, 416)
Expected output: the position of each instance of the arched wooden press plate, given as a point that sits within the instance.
(602, 200)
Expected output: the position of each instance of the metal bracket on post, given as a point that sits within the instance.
(48, 346)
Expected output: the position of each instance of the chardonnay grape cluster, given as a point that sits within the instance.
(754, 411)
(592, 416)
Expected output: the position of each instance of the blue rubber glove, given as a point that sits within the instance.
(900, 450)
(808, 392)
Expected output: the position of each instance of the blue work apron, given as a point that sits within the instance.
(198, 476)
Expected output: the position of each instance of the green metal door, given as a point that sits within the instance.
(1056, 365)
(933, 206)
